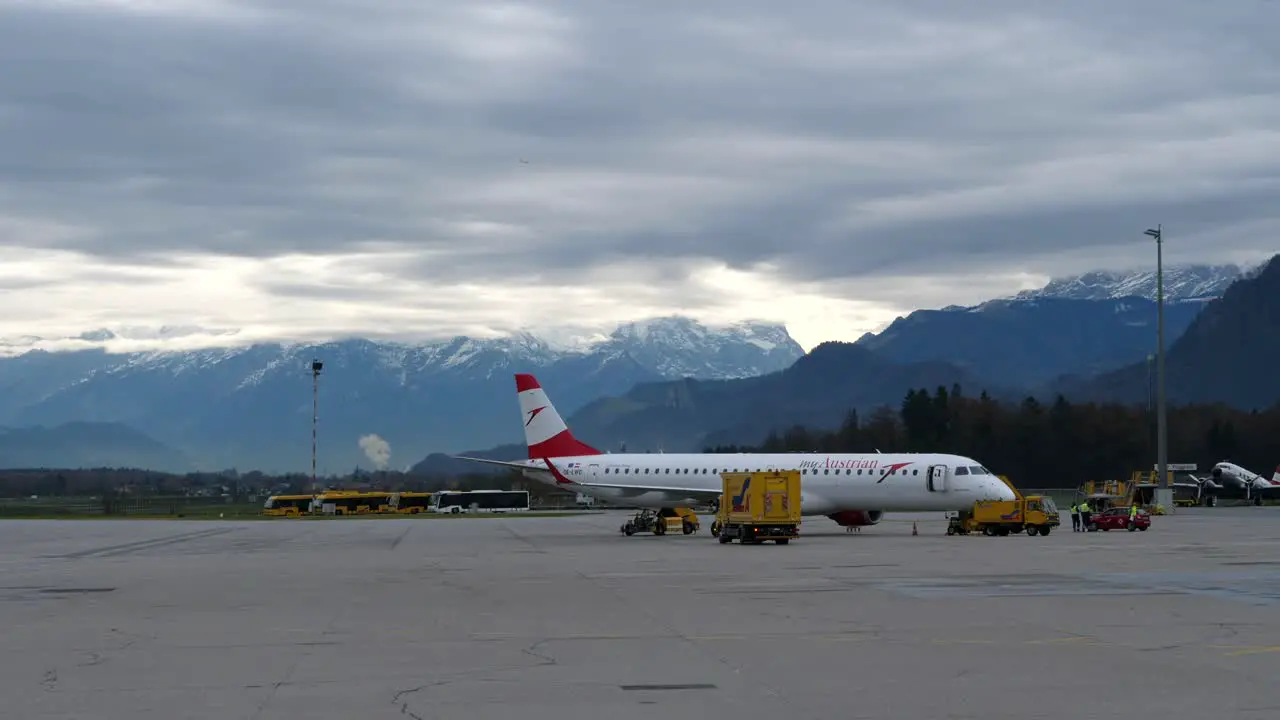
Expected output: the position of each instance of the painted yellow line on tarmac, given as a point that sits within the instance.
(1254, 650)
(964, 642)
(858, 637)
(1064, 641)
(1070, 641)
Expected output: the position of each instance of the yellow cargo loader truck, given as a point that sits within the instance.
(660, 522)
(1032, 514)
(759, 506)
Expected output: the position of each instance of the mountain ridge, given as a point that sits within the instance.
(819, 390)
(1029, 341)
(657, 383)
(79, 444)
(1182, 282)
(1226, 355)
(252, 404)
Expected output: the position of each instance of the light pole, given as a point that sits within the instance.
(1164, 494)
(316, 367)
(1151, 395)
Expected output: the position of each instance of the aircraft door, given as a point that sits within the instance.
(593, 471)
(937, 478)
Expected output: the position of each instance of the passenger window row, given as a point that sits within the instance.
(805, 471)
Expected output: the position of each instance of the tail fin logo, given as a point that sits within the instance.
(545, 432)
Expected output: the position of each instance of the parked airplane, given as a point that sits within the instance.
(1229, 474)
(1237, 475)
(850, 488)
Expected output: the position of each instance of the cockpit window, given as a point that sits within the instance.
(978, 470)
(962, 470)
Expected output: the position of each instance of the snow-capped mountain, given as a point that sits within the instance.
(250, 405)
(678, 347)
(1083, 324)
(1186, 282)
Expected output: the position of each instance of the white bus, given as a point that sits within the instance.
(494, 501)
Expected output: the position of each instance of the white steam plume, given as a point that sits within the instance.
(376, 449)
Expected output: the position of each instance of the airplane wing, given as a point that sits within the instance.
(677, 495)
(671, 492)
(514, 465)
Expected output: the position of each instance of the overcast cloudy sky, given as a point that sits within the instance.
(418, 167)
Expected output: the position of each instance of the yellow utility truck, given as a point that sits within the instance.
(1032, 514)
(759, 506)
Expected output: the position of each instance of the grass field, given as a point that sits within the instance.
(196, 509)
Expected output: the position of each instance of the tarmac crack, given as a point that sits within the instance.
(1163, 648)
(404, 705)
(297, 660)
(532, 651)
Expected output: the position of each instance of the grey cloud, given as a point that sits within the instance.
(314, 291)
(839, 140)
(21, 283)
(115, 276)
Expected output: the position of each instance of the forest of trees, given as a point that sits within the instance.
(1046, 446)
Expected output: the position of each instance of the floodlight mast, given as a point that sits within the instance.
(316, 367)
(1162, 427)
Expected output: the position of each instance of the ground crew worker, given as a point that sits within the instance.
(1133, 514)
(1085, 512)
(1075, 518)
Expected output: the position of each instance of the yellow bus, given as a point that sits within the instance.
(350, 502)
(409, 503)
(288, 505)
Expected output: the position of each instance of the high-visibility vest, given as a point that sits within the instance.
(1133, 511)
(1075, 509)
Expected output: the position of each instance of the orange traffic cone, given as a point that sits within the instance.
(914, 531)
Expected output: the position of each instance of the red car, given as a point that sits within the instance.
(1117, 518)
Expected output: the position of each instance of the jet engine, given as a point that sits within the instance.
(857, 518)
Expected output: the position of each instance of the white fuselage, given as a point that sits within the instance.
(830, 483)
(1240, 477)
